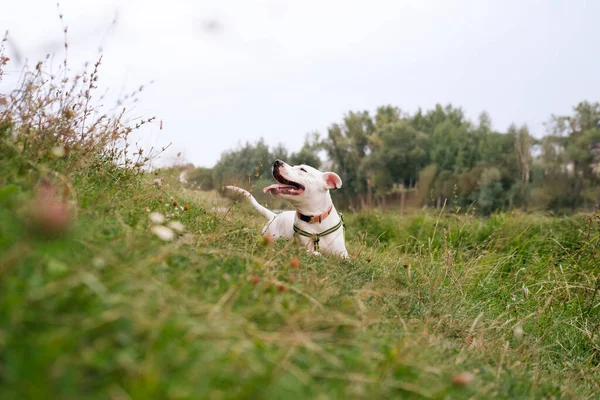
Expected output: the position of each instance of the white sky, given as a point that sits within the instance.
(281, 69)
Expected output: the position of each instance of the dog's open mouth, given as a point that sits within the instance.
(285, 186)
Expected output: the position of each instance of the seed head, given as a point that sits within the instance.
(462, 379)
(295, 263)
(267, 240)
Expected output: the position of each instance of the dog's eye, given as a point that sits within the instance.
(302, 169)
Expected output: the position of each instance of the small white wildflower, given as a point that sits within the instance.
(156, 218)
(177, 226)
(158, 182)
(518, 332)
(147, 209)
(162, 232)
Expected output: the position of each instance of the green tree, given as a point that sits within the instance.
(571, 148)
(490, 191)
(346, 146)
(523, 142)
(454, 147)
(400, 151)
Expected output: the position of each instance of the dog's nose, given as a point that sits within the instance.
(277, 163)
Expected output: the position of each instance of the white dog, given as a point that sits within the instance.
(315, 221)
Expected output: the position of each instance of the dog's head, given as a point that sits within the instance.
(302, 184)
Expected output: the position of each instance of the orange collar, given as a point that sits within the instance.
(313, 219)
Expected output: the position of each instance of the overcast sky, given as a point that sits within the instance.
(230, 71)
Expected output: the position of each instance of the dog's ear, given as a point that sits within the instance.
(332, 180)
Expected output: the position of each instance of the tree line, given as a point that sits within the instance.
(438, 158)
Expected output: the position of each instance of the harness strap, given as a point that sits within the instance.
(317, 236)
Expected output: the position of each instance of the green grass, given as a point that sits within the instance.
(110, 311)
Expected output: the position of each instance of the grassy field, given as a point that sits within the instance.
(113, 286)
(430, 306)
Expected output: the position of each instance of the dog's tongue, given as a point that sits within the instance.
(277, 186)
